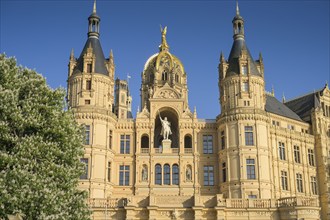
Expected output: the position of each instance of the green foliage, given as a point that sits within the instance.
(40, 147)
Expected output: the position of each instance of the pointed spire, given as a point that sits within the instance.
(237, 8)
(260, 57)
(283, 98)
(72, 55)
(111, 57)
(222, 57)
(164, 45)
(94, 7)
(94, 23)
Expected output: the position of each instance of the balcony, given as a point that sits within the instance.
(144, 150)
(188, 151)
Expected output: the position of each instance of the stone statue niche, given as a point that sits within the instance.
(166, 130)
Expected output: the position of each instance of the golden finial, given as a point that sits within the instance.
(164, 45)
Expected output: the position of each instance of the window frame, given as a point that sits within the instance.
(311, 157)
(284, 180)
(299, 181)
(249, 135)
(124, 172)
(251, 169)
(88, 129)
(281, 150)
(125, 144)
(158, 174)
(175, 174)
(297, 158)
(208, 173)
(167, 174)
(85, 175)
(207, 144)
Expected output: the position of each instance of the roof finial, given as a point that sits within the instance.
(72, 54)
(273, 92)
(94, 7)
(283, 98)
(164, 45)
(237, 8)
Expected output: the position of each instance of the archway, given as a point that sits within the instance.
(172, 117)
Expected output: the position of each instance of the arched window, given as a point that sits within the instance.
(176, 78)
(187, 141)
(145, 141)
(158, 174)
(164, 75)
(167, 174)
(175, 174)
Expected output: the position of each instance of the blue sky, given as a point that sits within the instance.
(293, 37)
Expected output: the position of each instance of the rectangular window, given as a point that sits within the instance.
(223, 140)
(125, 144)
(207, 144)
(250, 169)
(110, 139)
(311, 157)
(123, 175)
(284, 180)
(208, 176)
(244, 69)
(313, 185)
(224, 172)
(87, 134)
(299, 182)
(87, 102)
(84, 176)
(296, 154)
(249, 136)
(109, 171)
(245, 86)
(88, 84)
(281, 150)
(89, 68)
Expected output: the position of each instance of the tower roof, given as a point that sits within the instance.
(100, 67)
(93, 43)
(239, 47)
(236, 50)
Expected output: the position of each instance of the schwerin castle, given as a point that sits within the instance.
(259, 159)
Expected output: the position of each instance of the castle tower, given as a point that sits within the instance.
(123, 100)
(91, 76)
(91, 98)
(242, 125)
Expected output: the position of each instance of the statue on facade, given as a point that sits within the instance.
(166, 127)
(144, 173)
(188, 173)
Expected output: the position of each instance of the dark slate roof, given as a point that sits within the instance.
(99, 57)
(276, 107)
(303, 105)
(235, 53)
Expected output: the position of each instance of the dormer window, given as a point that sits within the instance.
(89, 68)
(244, 69)
(88, 84)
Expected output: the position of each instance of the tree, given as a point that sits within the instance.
(40, 148)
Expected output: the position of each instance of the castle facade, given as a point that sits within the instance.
(259, 158)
